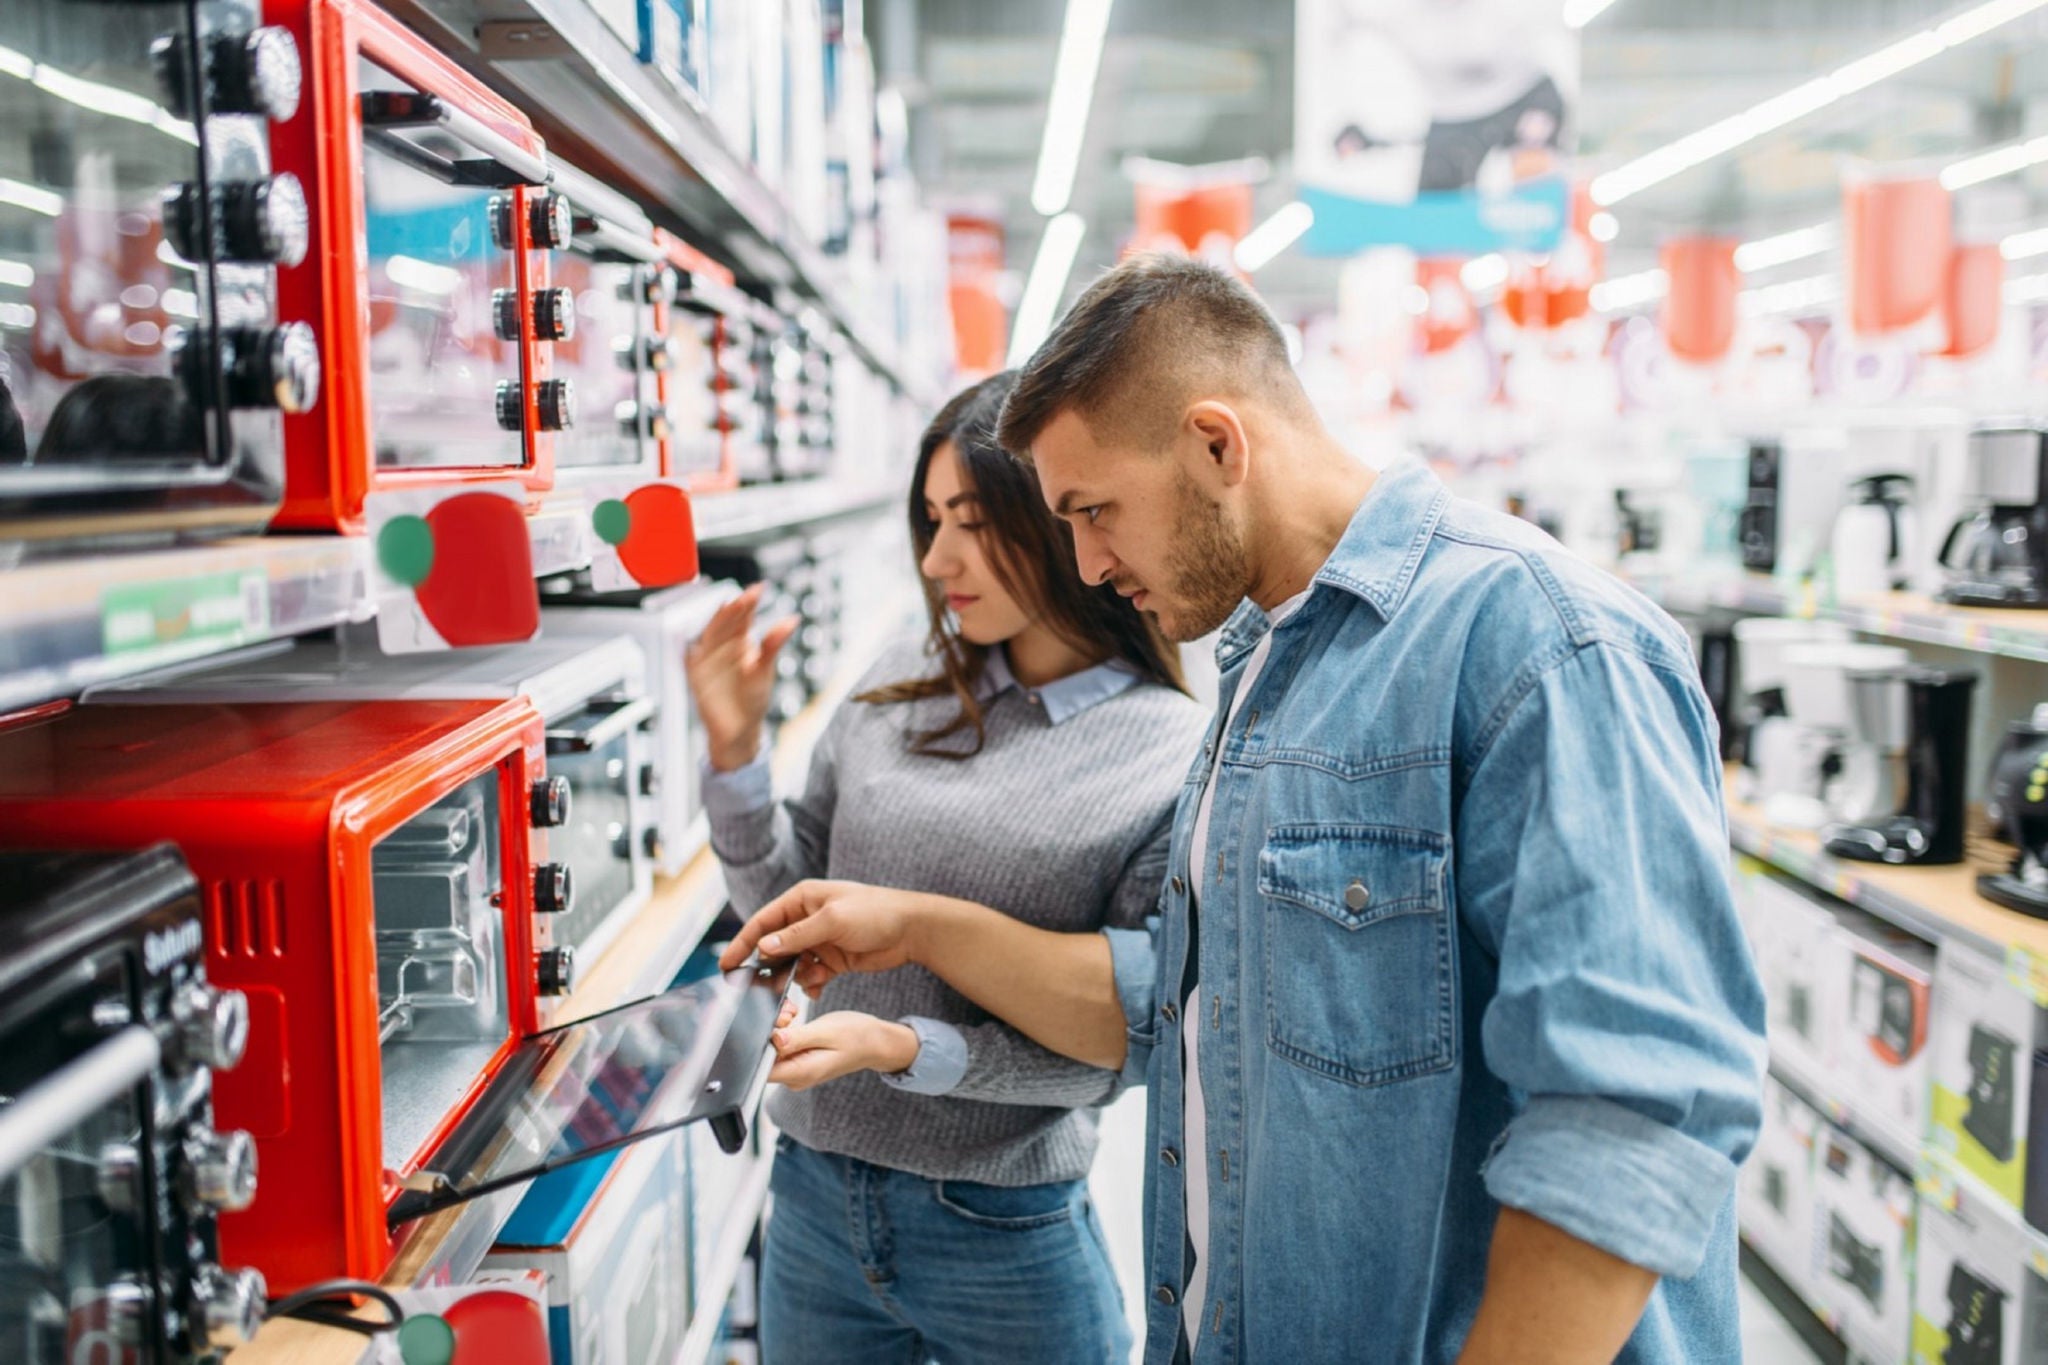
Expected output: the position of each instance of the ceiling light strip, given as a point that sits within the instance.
(1073, 90)
(1047, 282)
(1259, 246)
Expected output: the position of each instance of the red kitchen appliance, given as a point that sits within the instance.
(427, 281)
(709, 386)
(142, 367)
(367, 875)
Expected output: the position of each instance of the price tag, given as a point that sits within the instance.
(178, 615)
(2027, 973)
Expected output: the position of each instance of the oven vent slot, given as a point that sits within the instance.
(245, 918)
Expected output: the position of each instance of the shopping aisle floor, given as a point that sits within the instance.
(1117, 1187)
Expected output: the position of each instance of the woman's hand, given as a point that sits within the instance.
(838, 1044)
(731, 677)
(833, 928)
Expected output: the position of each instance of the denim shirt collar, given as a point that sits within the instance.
(1062, 698)
(1376, 558)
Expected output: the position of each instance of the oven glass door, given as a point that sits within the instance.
(597, 751)
(696, 441)
(607, 360)
(95, 305)
(65, 1253)
(696, 1052)
(437, 279)
(442, 1002)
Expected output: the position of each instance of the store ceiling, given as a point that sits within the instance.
(1194, 81)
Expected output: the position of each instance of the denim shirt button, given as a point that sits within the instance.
(1356, 897)
(1168, 1012)
(1165, 1295)
(1179, 887)
(1169, 1156)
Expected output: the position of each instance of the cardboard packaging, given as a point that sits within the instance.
(1976, 1300)
(1863, 1227)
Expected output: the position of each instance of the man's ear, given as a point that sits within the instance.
(1223, 434)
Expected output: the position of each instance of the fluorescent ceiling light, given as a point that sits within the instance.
(1579, 13)
(1796, 245)
(1792, 296)
(424, 276)
(171, 258)
(1629, 291)
(101, 99)
(1073, 89)
(17, 315)
(30, 197)
(20, 274)
(1049, 270)
(2027, 289)
(2010, 159)
(2023, 246)
(1275, 235)
(1482, 273)
(1734, 131)
(1603, 226)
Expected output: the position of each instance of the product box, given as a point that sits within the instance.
(1775, 1192)
(1976, 1298)
(1985, 1035)
(715, 1181)
(1882, 1044)
(766, 47)
(612, 1236)
(1863, 1228)
(1803, 962)
(728, 73)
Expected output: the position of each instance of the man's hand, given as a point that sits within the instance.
(838, 1044)
(833, 928)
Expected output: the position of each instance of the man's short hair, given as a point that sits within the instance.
(1149, 337)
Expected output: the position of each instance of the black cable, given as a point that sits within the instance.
(317, 1303)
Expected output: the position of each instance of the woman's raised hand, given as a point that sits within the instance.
(732, 676)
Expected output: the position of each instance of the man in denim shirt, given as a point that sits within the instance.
(1447, 930)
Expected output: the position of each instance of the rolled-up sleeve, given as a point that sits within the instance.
(1134, 957)
(1592, 863)
(941, 1059)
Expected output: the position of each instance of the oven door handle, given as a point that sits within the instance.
(503, 165)
(582, 739)
(59, 1103)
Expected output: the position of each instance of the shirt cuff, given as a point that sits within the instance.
(1632, 1186)
(941, 1061)
(743, 791)
(1134, 957)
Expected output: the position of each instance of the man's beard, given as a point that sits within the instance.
(1209, 568)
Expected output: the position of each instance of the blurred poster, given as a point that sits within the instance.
(1438, 125)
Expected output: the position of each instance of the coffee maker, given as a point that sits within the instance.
(2024, 886)
(1714, 643)
(1847, 750)
(1997, 556)
(1923, 715)
(1872, 545)
(1781, 758)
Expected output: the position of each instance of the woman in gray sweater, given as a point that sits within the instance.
(930, 1184)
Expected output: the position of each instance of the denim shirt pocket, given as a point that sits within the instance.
(1360, 984)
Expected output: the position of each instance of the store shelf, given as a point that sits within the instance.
(1941, 1177)
(1818, 1327)
(748, 513)
(710, 1296)
(615, 118)
(66, 624)
(1898, 1150)
(1897, 616)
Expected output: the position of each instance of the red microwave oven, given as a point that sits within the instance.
(366, 877)
(427, 282)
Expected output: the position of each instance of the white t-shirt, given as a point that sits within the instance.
(1194, 1119)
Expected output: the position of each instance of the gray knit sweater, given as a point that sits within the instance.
(1063, 826)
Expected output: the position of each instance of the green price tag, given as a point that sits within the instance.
(218, 608)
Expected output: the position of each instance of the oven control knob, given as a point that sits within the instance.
(556, 399)
(554, 889)
(265, 221)
(232, 1303)
(511, 405)
(550, 220)
(650, 780)
(650, 842)
(263, 367)
(120, 1177)
(504, 234)
(212, 1025)
(219, 1171)
(635, 420)
(505, 314)
(549, 801)
(129, 1304)
(184, 220)
(622, 843)
(257, 72)
(651, 353)
(554, 314)
(556, 968)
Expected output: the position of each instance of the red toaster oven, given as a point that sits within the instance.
(427, 281)
(367, 874)
(708, 382)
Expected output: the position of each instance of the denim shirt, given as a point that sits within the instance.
(1465, 939)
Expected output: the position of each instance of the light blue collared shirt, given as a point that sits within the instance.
(941, 1061)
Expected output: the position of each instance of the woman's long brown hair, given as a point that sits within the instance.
(1032, 554)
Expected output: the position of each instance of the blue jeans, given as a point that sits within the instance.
(863, 1265)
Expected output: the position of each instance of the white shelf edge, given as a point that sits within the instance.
(740, 1219)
